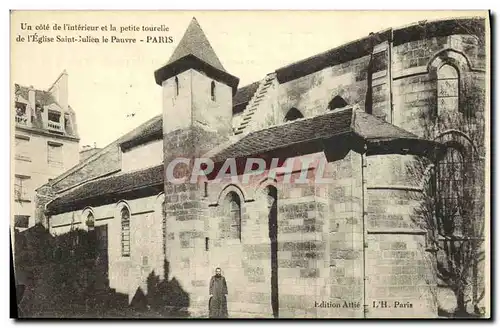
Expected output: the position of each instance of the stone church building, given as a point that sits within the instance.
(362, 114)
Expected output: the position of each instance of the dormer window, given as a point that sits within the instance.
(54, 116)
(21, 116)
(54, 122)
(212, 91)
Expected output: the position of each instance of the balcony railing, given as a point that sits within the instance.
(22, 120)
(54, 126)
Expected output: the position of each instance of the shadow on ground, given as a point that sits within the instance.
(66, 276)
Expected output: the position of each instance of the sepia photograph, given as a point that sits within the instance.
(250, 164)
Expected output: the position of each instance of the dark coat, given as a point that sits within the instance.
(217, 304)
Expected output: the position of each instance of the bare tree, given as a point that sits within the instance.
(452, 207)
(452, 204)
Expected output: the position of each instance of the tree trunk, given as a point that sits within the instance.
(461, 310)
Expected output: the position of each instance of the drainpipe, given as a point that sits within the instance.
(364, 227)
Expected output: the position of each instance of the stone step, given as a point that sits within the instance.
(261, 93)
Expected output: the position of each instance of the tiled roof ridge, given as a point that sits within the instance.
(85, 182)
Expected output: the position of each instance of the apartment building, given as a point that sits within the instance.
(46, 143)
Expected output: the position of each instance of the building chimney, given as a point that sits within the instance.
(31, 97)
(63, 91)
(59, 90)
(30, 109)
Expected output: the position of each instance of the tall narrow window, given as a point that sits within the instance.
(450, 192)
(293, 114)
(164, 226)
(272, 205)
(212, 90)
(90, 222)
(21, 188)
(448, 90)
(125, 220)
(234, 212)
(22, 148)
(176, 86)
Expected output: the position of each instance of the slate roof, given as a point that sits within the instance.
(195, 52)
(43, 98)
(320, 127)
(194, 42)
(152, 131)
(375, 129)
(244, 94)
(108, 188)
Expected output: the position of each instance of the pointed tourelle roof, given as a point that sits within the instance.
(194, 42)
(194, 51)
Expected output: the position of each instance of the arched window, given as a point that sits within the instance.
(90, 221)
(212, 91)
(450, 191)
(293, 114)
(125, 221)
(337, 102)
(233, 204)
(447, 90)
(176, 86)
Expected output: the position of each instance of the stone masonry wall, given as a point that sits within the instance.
(126, 274)
(415, 84)
(319, 250)
(312, 93)
(345, 235)
(399, 270)
(185, 212)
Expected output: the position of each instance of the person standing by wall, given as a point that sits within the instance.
(218, 290)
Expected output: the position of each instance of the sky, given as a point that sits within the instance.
(109, 81)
